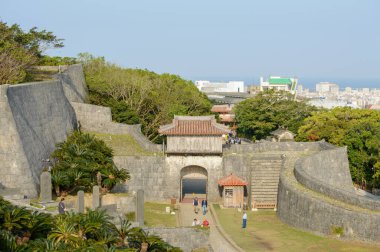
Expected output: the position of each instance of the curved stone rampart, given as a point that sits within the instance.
(275, 146)
(308, 207)
(327, 172)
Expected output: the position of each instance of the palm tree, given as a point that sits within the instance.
(59, 178)
(123, 232)
(15, 219)
(96, 221)
(7, 241)
(39, 225)
(114, 176)
(65, 231)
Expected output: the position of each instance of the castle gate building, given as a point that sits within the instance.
(194, 148)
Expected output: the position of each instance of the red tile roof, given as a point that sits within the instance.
(227, 117)
(194, 125)
(222, 108)
(232, 180)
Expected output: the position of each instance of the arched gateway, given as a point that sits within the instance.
(194, 151)
(193, 183)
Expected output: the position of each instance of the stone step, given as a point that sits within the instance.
(266, 174)
(265, 182)
(264, 192)
(269, 179)
(264, 169)
(265, 199)
(267, 162)
(263, 187)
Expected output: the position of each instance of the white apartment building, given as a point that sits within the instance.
(327, 87)
(222, 87)
(279, 83)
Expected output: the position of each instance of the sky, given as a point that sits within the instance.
(219, 40)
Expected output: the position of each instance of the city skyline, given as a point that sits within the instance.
(334, 41)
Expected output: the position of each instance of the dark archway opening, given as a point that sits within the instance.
(193, 183)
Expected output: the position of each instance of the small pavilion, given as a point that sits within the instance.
(233, 190)
(282, 135)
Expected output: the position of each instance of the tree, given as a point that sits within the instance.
(79, 159)
(20, 50)
(358, 129)
(142, 96)
(24, 230)
(256, 117)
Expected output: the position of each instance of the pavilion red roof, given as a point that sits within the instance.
(227, 117)
(194, 125)
(225, 108)
(232, 180)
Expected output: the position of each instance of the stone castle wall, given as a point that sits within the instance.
(320, 206)
(74, 83)
(327, 172)
(14, 167)
(36, 117)
(95, 118)
(186, 238)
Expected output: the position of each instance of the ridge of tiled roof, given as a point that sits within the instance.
(279, 131)
(225, 108)
(193, 125)
(232, 180)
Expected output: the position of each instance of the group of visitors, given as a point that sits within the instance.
(203, 204)
(196, 222)
(232, 139)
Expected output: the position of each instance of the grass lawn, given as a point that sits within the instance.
(265, 232)
(122, 145)
(155, 215)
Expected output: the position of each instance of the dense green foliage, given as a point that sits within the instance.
(359, 130)
(78, 161)
(46, 60)
(20, 50)
(258, 116)
(24, 230)
(136, 95)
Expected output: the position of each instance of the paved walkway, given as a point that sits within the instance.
(217, 241)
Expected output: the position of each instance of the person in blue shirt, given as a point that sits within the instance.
(204, 206)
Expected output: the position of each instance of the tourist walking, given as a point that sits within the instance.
(244, 220)
(195, 204)
(204, 206)
(61, 206)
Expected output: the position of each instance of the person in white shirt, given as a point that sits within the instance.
(195, 222)
(244, 220)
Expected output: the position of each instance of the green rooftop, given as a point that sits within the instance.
(282, 81)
